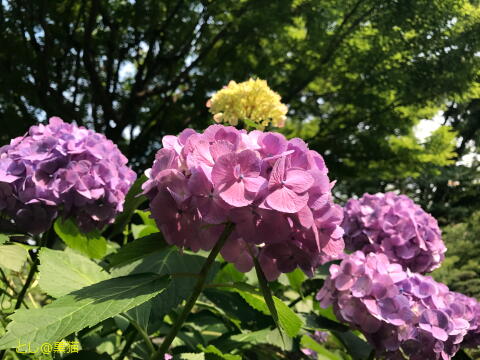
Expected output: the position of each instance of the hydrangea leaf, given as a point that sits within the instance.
(91, 244)
(288, 320)
(191, 356)
(164, 262)
(322, 352)
(13, 257)
(238, 311)
(296, 279)
(80, 309)
(62, 272)
(139, 231)
(141, 314)
(211, 349)
(313, 322)
(137, 249)
(264, 336)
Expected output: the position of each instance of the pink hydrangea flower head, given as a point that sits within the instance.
(61, 169)
(394, 225)
(237, 177)
(276, 191)
(400, 312)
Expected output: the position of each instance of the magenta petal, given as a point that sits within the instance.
(199, 184)
(305, 217)
(439, 333)
(220, 148)
(169, 141)
(333, 247)
(249, 163)
(278, 173)
(286, 200)
(234, 194)
(298, 180)
(344, 282)
(253, 184)
(223, 169)
(202, 153)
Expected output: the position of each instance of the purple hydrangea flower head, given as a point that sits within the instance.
(62, 169)
(400, 312)
(394, 225)
(276, 192)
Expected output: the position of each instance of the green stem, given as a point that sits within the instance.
(142, 333)
(130, 338)
(31, 275)
(199, 286)
(10, 287)
(33, 270)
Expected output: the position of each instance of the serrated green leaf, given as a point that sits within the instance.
(314, 322)
(62, 272)
(168, 261)
(137, 249)
(141, 315)
(146, 217)
(287, 318)
(238, 311)
(322, 352)
(296, 278)
(3, 239)
(189, 356)
(13, 257)
(264, 336)
(91, 244)
(139, 231)
(210, 349)
(229, 273)
(81, 308)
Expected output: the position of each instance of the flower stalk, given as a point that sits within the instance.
(199, 286)
(33, 269)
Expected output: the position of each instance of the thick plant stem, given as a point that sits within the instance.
(199, 286)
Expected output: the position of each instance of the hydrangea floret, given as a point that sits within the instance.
(276, 192)
(402, 314)
(62, 169)
(394, 225)
(250, 100)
